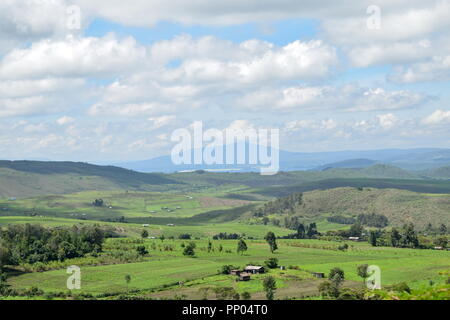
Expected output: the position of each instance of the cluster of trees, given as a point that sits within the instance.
(373, 220)
(341, 219)
(406, 237)
(441, 230)
(332, 288)
(370, 220)
(356, 230)
(304, 231)
(34, 243)
(285, 205)
(98, 203)
(227, 236)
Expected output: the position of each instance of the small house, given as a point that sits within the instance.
(353, 238)
(438, 248)
(244, 276)
(146, 225)
(319, 275)
(235, 272)
(254, 269)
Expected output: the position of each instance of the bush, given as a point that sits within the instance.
(400, 287)
(272, 263)
(189, 250)
(141, 250)
(226, 269)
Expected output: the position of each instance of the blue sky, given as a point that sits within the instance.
(116, 88)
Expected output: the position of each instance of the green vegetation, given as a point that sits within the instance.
(157, 236)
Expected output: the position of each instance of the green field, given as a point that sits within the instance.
(203, 205)
(161, 271)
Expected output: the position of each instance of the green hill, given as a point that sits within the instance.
(439, 173)
(399, 206)
(22, 179)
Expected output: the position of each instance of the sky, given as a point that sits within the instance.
(110, 80)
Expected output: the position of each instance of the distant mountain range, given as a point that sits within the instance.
(408, 159)
(21, 179)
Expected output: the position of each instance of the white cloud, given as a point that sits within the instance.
(438, 117)
(31, 20)
(399, 21)
(73, 57)
(65, 120)
(39, 97)
(383, 53)
(245, 64)
(435, 69)
(346, 98)
(387, 121)
(23, 88)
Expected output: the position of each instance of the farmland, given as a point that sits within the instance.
(158, 275)
(203, 209)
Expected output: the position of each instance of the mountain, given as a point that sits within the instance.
(350, 164)
(410, 159)
(21, 179)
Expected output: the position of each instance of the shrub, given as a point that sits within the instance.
(272, 263)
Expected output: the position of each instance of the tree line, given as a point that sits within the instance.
(34, 243)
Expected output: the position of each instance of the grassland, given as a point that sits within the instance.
(159, 274)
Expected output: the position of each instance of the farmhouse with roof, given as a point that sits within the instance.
(254, 269)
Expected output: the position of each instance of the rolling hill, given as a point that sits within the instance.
(399, 206)
(22, 179)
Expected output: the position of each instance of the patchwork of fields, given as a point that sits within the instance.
(160, 273)
(205, 208)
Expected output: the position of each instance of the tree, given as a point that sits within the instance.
(141, 250)
(144, 234)
(242, 246)
(356, 230)
(362, 271)
(336, 274)
(5, 256)
(373, 237)
(270, 287)
(98, 203)
(329, 288)
(301, 232)
(272, 263)
(226, 269)
(443, 229)
(395, 237)
(272, 241)
(209, 246)
(162, 238)
(312, 230)
(409, 238)
(440, 242)
(127, 280)
(189, 249)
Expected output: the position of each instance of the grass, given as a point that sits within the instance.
(163, 269)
